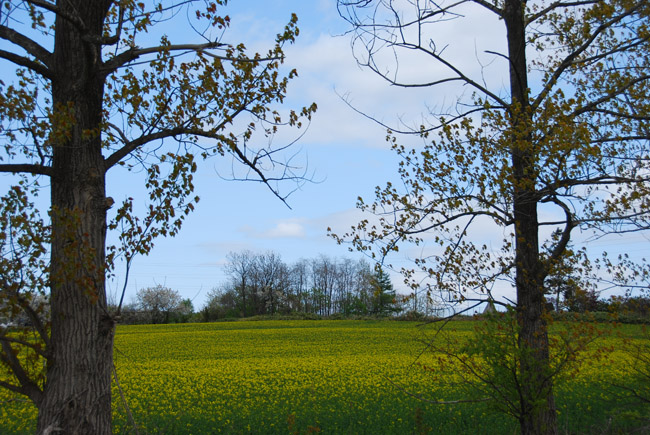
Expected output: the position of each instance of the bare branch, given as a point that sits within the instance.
(32, 346)
(27, 63)
(451, 120)
(489, 6)
(42, 56)
(134, 53)
(561, 246)
(27, 44)
(27, 386)
(26, 168)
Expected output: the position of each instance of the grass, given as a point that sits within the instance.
(319, 376)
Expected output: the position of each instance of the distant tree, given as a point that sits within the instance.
(580, 300)
(347, 272)
(221, 303)
(271, 282)
(131, 314)
(636, 305)
(240, 269)
(323, 270)
(184, 312)
(325, 286)
(299, 284)
(570, 277)
(159, 302)
(383, 294)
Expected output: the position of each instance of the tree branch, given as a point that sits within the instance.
(27, 44)
(27, 63)
(489, 6)
(27, 387)
(555, 5)
(36, 322)
(134, 53)
(570, 58)
(131, 146)
(75, 20)
(26, 168)
(593, 104)
(23, 343)
(560, 247)
(12, 387)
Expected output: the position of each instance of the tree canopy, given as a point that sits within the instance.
(92, 87)
(508, 175)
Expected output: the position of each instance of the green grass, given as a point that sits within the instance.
(318, 376)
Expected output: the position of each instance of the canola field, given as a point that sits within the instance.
(299, 377)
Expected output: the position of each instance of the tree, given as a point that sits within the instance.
(185, 311)
(299, 274)
(271, 281)
(221, 303)
(563, 145)
(89, 96)
(160, 302)
(323, 272)
(240, 267)
(383, 295)
(569, 276)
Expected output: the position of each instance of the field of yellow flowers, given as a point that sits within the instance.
(306, 377)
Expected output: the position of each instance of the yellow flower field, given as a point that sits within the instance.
(302, 377)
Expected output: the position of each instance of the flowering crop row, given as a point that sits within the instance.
(296, 377)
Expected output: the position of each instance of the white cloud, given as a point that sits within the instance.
(284, 229)
(328, 70)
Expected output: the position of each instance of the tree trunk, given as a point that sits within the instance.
(538, 415)
(77, 393)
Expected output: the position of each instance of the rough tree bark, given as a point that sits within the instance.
(76, 396)
(529, 276)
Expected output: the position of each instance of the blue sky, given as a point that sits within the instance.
(346, 153)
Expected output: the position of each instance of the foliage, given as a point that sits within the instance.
(93, 87)
(383, 295)
(491, 359)
(23, 297)
(563, 147)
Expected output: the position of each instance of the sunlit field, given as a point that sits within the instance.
(319, 376)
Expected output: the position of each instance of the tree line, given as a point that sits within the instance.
(263, 284)
(260, 284)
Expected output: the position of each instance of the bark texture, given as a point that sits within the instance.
(77, 396)
(538, 414)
